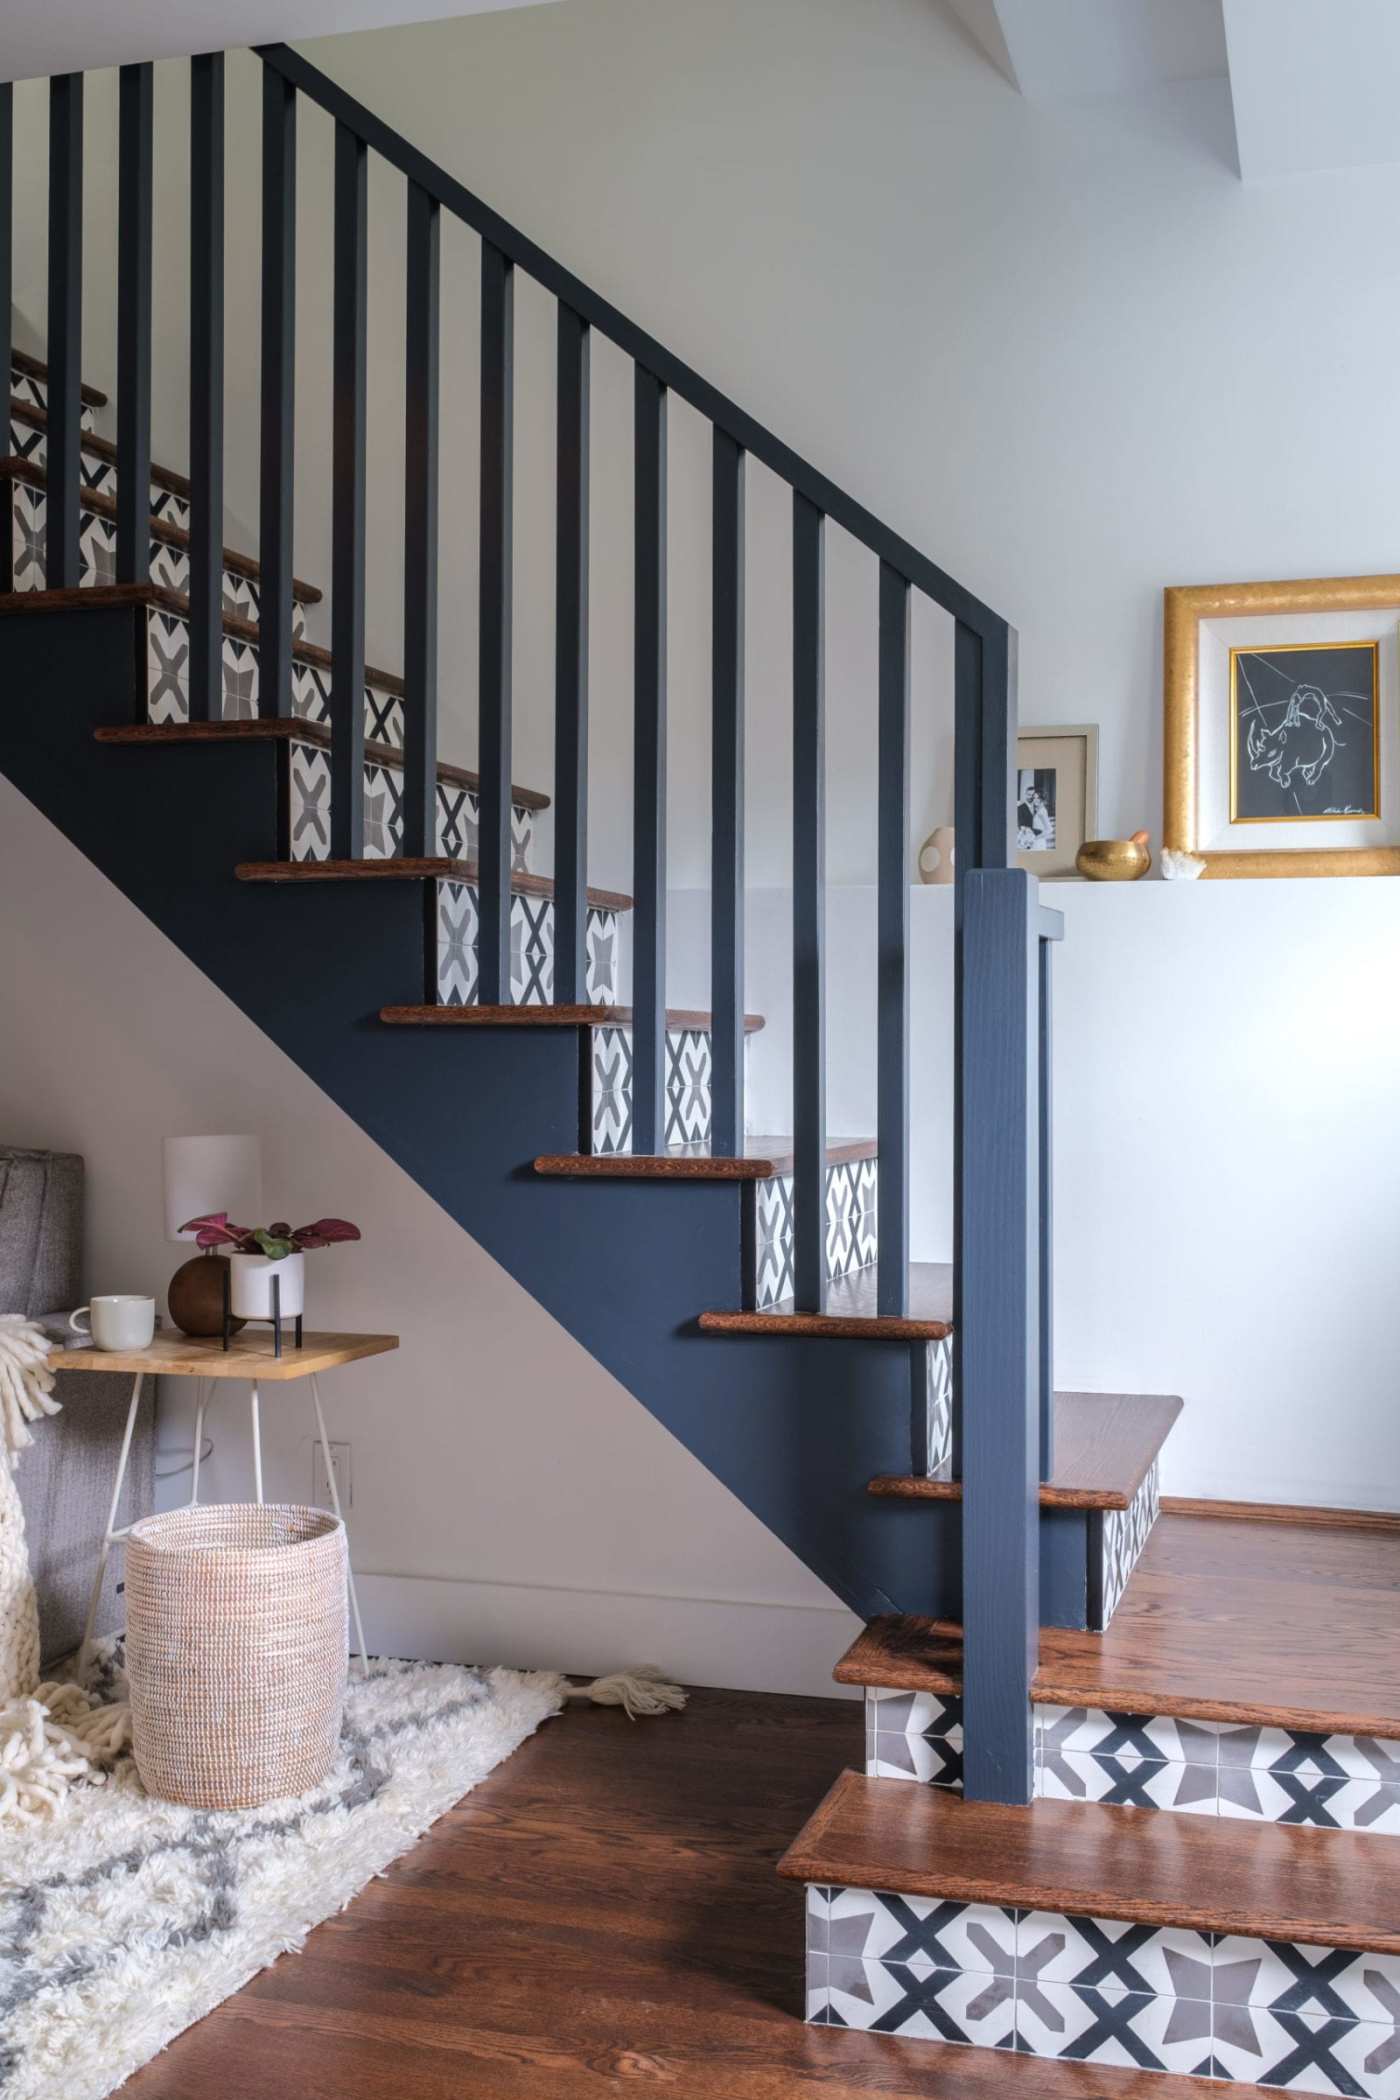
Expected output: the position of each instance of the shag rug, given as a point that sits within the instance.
(124, 1919)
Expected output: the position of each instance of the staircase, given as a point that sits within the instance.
(1130, 1766)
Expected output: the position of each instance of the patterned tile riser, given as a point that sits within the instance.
(851, 1242)
(97, 552)
(689, 1102)
(1121, 1536)
(1202, 1768)
(1312, 2019)
(311, 788)
(24, 386)
(30, 441)
(938, 1411)
(532, 949)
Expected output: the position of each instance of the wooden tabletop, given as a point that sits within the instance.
(249, 1355)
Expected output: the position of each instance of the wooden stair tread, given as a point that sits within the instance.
(1278, 1881)
(1290, 1625)
(1104, 1447)
(433, 868)
(101, 448)
(17, 469)
(761, 1159)
(437, 1015)
(25, 361)
(852, 1313)
(293, 729)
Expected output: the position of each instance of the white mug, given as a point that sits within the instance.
(117, 1323)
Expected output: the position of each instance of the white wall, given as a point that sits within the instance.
(512, 1502)
(1227, 1199)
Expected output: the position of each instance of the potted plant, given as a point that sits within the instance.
(259, 1253)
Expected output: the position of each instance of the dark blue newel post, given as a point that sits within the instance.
(1000, 1336)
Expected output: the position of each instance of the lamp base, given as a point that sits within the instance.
(196, 1296)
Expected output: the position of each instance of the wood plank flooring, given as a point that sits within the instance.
(601, 1916)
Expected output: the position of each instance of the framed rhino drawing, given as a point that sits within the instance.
(1282, 726)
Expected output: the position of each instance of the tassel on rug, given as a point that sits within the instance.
(640, 1691)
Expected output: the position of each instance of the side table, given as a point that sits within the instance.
(251, 1361)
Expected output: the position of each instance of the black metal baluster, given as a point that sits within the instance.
(7, 247)
(892, 1053)
(808, 906)
(134, 159)
(1052, 929)
(206, 386)
(278, 437)
(420, 548)
(571, 664)
(727, 864)
(649, 769)
(497, 574)
(348, 495)
(63, 563)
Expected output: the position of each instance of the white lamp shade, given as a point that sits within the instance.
(204, 1174)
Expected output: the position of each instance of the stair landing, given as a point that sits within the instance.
(1290, 1623)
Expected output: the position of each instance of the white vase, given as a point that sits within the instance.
(250, 1285)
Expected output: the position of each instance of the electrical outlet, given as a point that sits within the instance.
(320, 1486)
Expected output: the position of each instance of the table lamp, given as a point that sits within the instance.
(204, 1174)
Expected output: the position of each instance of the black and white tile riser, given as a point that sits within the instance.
(457, 806)
(532, 949)
(1201, 1768)
(1308, 2019)
(30, 441)
(97, 555)
(851, 1228)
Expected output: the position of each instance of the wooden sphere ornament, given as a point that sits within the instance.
(195, 1296)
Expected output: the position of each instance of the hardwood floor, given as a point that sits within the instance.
(601, 1915)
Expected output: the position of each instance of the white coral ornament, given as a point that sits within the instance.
(1181, 867)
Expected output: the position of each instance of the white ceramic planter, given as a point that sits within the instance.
(250, 1285)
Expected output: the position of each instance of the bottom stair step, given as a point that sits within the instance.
(1268, 1955)
(1270, 1881)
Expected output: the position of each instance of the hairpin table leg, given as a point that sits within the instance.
(257, 1446)
(111, 1534)
(201, 1400)
(335, 1505)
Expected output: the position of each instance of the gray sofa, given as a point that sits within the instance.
(65, 1477)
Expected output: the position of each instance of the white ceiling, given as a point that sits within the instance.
(1052, 49)
(59, 36)
(1315, 84)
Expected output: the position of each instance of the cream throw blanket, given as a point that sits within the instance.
(50, 1734)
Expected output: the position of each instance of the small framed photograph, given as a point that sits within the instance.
(1282, 726)
(1057, 781)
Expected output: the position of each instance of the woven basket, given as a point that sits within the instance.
(236, 1647)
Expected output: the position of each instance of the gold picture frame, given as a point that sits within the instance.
(1184, 610)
